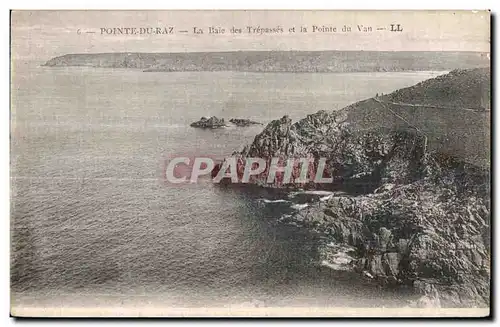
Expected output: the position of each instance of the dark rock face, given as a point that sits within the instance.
(243, 122)
(429, 234)
(211, 122)
(354, 159)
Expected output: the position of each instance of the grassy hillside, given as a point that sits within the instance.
(452, 110)
(279, 61)
(460, 88)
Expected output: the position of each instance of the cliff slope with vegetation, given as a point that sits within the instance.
(363, 138)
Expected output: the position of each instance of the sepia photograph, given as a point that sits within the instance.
(250, 163)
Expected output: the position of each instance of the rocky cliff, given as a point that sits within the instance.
(431, 234)
(418, 214)
(365, 142)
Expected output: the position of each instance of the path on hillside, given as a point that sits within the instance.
(429, 106)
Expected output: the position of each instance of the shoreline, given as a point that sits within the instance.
(360, 72)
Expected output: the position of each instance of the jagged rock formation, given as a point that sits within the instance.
(243, 122)
(354, 158)
(210, 122)
(432, 234)
(278, 61)
(419, 209)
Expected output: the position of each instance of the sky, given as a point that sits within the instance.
(42, 35)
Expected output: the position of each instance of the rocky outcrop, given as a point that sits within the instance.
(432, 234)
(355, 159)
(214, 122)
(240, 122)
(417, 213)
(210, 122)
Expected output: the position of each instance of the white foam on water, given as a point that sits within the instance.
(293, 194)
(325, 198)
(337, 257)
(299, 206)
(273, 201)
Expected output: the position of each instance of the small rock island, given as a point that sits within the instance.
(214, 122)
(243, 122)
(210, 122)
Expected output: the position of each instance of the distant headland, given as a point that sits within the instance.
(278, 61)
